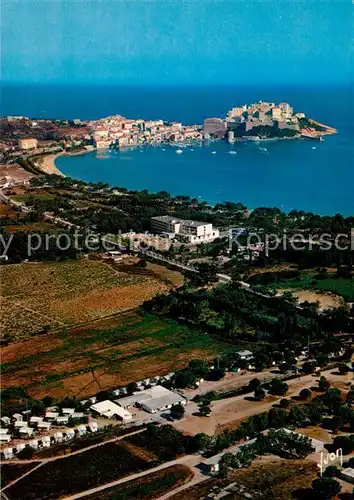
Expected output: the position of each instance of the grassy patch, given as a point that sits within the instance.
(340, 286)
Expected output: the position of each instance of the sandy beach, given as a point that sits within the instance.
(47, 163)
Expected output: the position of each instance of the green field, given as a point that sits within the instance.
(107, 354)
(339, 286)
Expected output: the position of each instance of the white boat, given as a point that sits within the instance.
(213, 152)
(313, 147)
(232, 152)
(179, 151)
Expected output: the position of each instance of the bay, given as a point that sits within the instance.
(294, 174)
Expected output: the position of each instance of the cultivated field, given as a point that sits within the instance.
(39, 297)
(275, 478)
(104, 354)
(148, 487)
(80, 472)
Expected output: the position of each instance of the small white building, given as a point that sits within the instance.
(8, 453)
(17, 416)
(26, 431)
(69, 434)
(20, 447)
(58, 437)
(93, 426)
(44, 425)
(46, 441)
(68, 410)
(34, 444)
(62, 420)
(81, 429)
(6, 420)
(108, 409)
(51, 415)
(245, 354)
(19, 423)
(3, 431)
(5, 438)
(77, 415)
(35, 420)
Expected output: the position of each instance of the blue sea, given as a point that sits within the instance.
(294, 174)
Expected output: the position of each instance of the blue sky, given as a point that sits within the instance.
(177, 42)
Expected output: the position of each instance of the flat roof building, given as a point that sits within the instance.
(155, 399)
(190, 231)
(109, 409)
(28, 143)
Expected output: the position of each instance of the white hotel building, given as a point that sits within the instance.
(189, 231)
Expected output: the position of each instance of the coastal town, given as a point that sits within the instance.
(254, 122)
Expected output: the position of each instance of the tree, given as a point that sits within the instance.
(305, 394)
(132, 387)
(26, 453)
(259, 394)
(277, 418)
(308, 367)
(253, 384)
(177, 411)
(204, 409)
(199, 367)
(284, 367)
(323, 384)
(331, 471)
(332, 398)
(277, 387)
(343, 369)
(202, 441)
(346, 443)
(325, 488)
(184, 378)
(207, 273)
(284, 403)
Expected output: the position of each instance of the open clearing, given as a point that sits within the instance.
(228, 413)
(326, 300)
(39, 297)
(103, 355)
